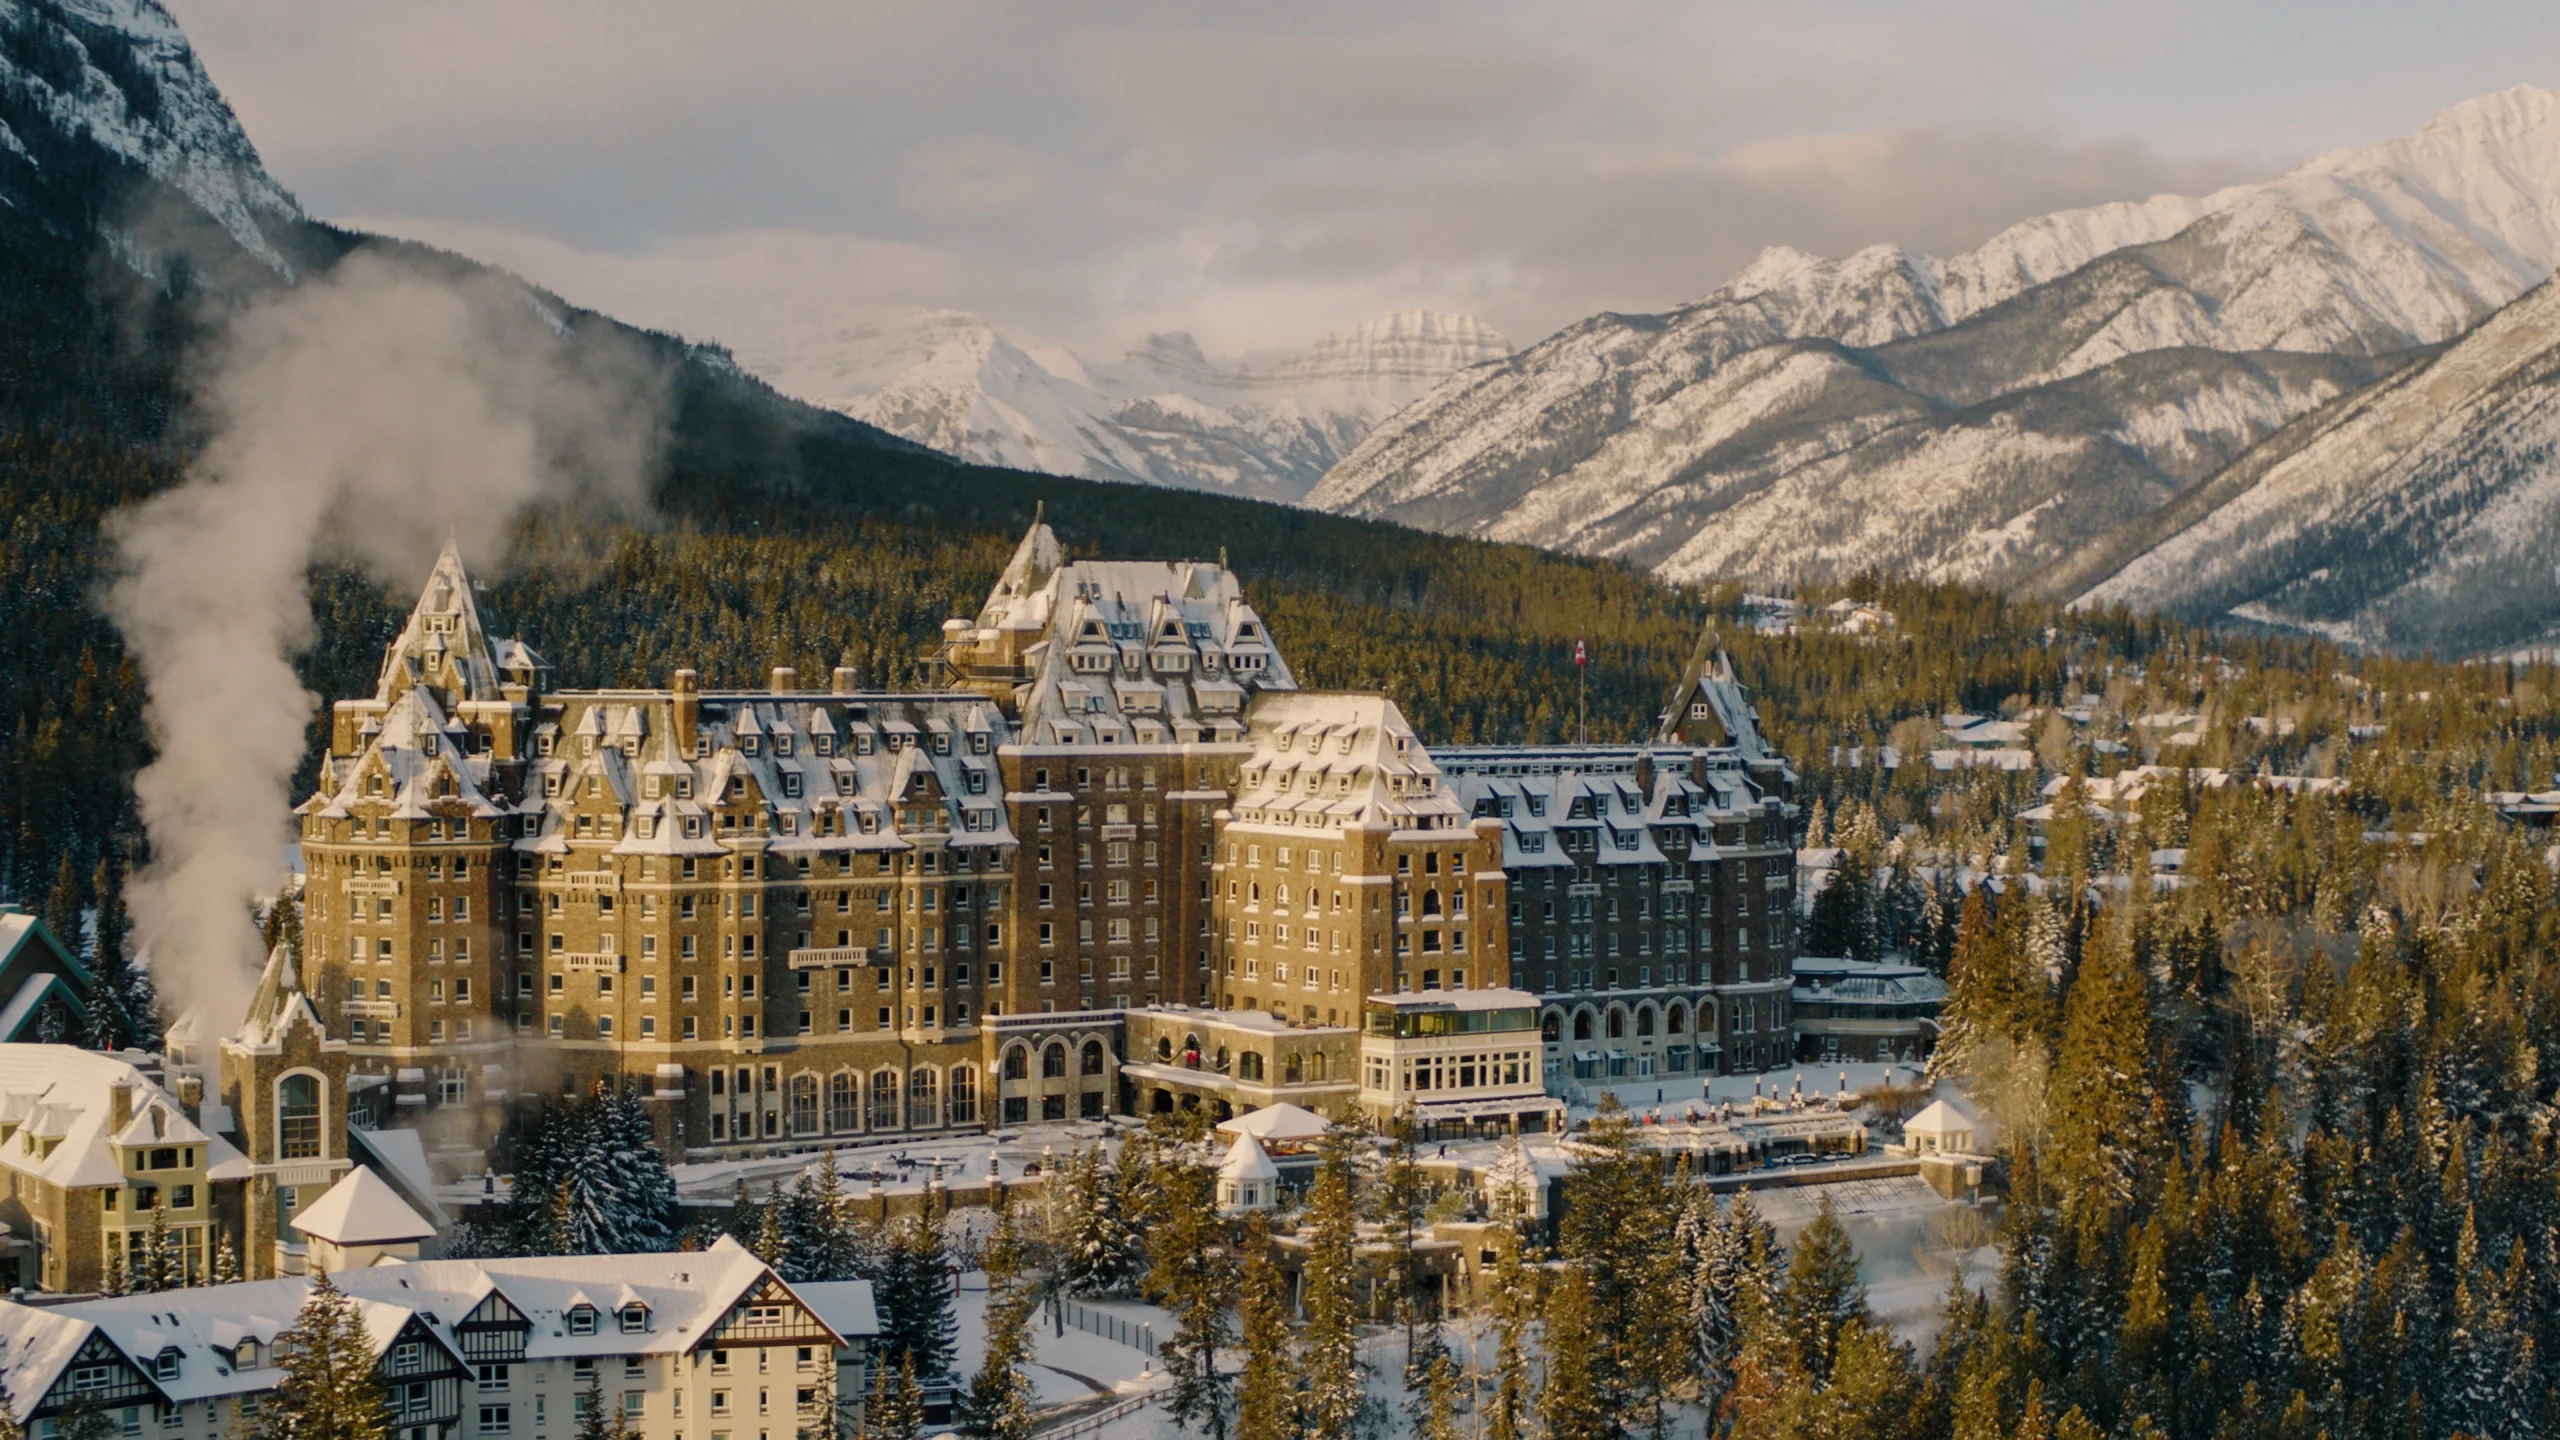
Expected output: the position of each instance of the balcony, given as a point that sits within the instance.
(589, 960)
(828, 959)
(372, 1009)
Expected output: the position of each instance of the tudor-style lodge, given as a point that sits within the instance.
(706, 1342)
(1120, 862)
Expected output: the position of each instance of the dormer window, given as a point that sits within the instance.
(245, 1357)
(582, 1319)
(826, 744)
(635, 1318)
(750, 744)
(542, 745)
(164, 1366)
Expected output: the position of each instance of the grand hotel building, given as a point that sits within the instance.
(1120, 860)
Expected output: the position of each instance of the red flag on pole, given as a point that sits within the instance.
(1580, 655)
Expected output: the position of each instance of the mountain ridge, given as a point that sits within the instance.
(1625, 436)
(1164, 413)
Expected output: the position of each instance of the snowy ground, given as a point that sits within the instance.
(1067, 1367)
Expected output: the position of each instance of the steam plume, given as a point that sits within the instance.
(364, 415)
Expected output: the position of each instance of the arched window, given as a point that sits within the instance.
(1164, 1049)
(1017, 1063)
(1675, 1021)
(1249, 1065)
(1221, 1065)
(1093, 1057)
(1644, 1020)
(964, 1095)
(1430, 902)
(1617, 1023)
(844, 1110)
(1581, 1024)
(1315, 1068)
(1053, 1061)
(884, 1099)
(924, 1106)
(804, 1104)
(298, 1118)
(1551, 1028)
(1293, 1070)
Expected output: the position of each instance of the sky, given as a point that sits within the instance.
(1257, 174)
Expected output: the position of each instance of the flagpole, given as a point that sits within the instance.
(1581, 694)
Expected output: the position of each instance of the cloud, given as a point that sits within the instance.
(1260, 172)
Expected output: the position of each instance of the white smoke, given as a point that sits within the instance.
(364, 415)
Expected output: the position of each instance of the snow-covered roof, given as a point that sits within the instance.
(56, 1105)
(844, 1306)
(1325, 760)
(1245, 1161)
(1282, 1121)
(687, 1296)
(1939, 1118)
(362, 1209)
(1119, 648)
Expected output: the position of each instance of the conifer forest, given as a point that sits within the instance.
(2274, 1064)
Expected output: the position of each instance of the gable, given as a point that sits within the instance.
(767, 1314)
(98, 1372)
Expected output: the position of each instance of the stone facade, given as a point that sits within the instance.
(793, 916)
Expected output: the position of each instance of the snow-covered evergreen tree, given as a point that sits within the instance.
(999, 1403)
(328, 1390)
(1333, 1374)
(912, 1288)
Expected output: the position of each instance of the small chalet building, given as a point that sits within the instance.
(708, 1342)
(89, 1145)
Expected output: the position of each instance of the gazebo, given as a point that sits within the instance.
(1941, 1129)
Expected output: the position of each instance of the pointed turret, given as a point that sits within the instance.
(443, 646)
(1033, 562)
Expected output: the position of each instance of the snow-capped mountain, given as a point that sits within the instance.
(105, 110)
(1165, 414)
(1983, 416)
(2422, 512)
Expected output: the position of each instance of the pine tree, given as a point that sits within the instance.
(1724, 1250)
(896, 1408)
(913, 1291)
(1334, 1376)
(160, 1265)
(1091, 1218)
(594, 1421)
(10, 1429)
(999, 1403)
(1515, 1305)
(1570, 1402)
(1266, 1389)
(1843, 921)
(328, 1389)
(61, 913)
(226, 1261)
(2106, 1108)
(1617, 1227)
(1821, 1295)
(1188, 1273)
(1436, 1418)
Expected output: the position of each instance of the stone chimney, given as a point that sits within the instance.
(845, 680)
(119, 1107)
(785, 679)
(688, 708)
